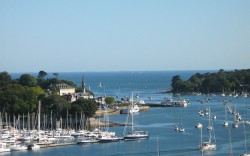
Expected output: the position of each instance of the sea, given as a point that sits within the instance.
(160, 122)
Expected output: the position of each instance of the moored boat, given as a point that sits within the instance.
(33, 146)
(175, 103)
(130, 132)
(18, 147)
(198, 125)
(3, 147)
(136, 135)
(87, 140)
(106, 139)
(133, 109)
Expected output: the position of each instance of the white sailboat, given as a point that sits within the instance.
(198, 125)
(246, 153)
(236, 122)
(208, 146)
(106, 135)
(209, 127)
(130, 133)
(225, 123)
(181, 129)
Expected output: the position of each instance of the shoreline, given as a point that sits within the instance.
(93, 122)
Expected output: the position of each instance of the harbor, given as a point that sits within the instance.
(159, 123)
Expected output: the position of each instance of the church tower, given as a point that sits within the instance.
(83, 85)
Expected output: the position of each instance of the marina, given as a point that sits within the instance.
(160, 123)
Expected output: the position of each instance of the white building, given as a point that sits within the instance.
(64, 89)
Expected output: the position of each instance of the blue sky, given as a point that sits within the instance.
(124, 35)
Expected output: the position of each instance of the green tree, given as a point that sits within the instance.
(5, 79)
(196, 82)
(109, 100)
(17, 99)
(38, 91)
(56, 103)
(42, 74)
(176, 84)
(27, 80)
(87, 106)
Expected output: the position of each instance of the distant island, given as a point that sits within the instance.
(223, 82)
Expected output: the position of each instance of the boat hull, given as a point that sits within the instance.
(135, 137)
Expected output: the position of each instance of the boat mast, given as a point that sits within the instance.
(51, 120)
(28, 121)
(67, 119)
(23, 121)
(158, 148)
(245, 135)
(132, 114)
(201, 138)
(39, 113)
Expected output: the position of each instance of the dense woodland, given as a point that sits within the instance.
(21, 96)
(227, 82)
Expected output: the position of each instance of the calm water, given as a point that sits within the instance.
(160, 122)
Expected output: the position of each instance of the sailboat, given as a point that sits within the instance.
(245, 135)
(208, 146)
(131, 133)
(225, 123)
(209, 127)
(236, 122)
(181, 129)
(106, 135)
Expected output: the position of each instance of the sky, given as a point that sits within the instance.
(124, 35)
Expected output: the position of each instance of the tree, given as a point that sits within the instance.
(196, 82)
(27, 80)
(16, 99)
(42, 74)
(5, 79)
(38, 91)
(87, 106)
(176, 83)
(109, 100)
(55, 103)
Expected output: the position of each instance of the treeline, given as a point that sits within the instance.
(227, 82)
(22, 95)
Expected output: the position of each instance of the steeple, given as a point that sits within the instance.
(83, 84)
